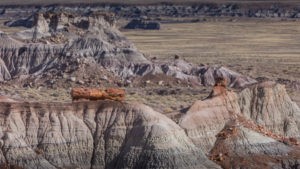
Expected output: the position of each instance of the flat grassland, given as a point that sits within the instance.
(258, 48)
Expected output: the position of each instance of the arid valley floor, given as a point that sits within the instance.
(254, 47)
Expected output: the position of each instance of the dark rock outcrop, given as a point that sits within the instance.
(143, 24)
(25, 22)
(263, 9)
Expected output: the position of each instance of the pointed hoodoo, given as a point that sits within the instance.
(219, 88)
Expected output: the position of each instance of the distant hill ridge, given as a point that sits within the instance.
(137, 2)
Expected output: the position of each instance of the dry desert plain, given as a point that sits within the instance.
(254, 47)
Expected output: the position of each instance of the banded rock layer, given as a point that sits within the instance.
(59, 43)
(239, 146)
(206, 118)
(267, 104)
(94, 135)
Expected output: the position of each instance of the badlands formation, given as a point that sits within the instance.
(251, 125)
(63, 44)
(221, 131)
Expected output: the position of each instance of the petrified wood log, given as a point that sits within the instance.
(98, 94)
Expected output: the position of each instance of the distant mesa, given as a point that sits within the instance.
(265, 9)
(143, 24)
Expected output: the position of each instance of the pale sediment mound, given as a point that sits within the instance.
(8, 43)
(100, 134)
(241, 144)
(268, 104)
(206, 118)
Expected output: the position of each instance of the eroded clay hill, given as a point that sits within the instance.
(241, 144)
(59, 46)
(101, 134)
(267, 104)
(110, 134)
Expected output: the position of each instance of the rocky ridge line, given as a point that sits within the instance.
(157, 11)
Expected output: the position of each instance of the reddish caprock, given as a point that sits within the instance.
(98, 94)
